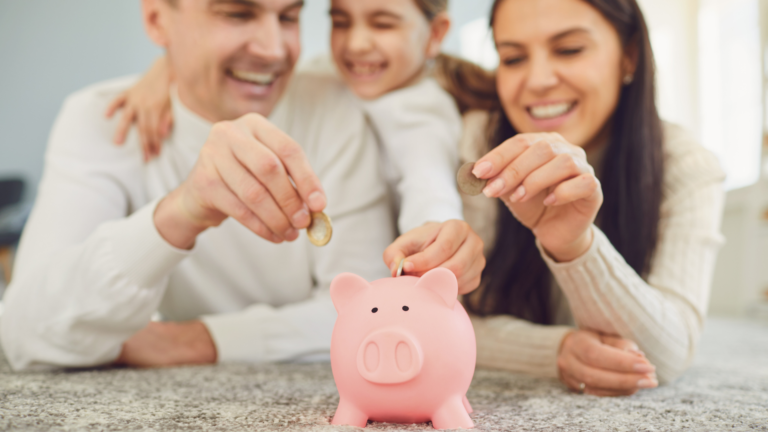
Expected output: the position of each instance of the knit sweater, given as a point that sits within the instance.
(599, 291)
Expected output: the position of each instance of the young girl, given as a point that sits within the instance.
(388, 53)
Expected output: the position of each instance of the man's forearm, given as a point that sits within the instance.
(173, 225)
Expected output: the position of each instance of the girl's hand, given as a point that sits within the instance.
(605, 365)
(548, 186)
(451, 244)
(148, 104)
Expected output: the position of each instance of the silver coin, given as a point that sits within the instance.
(320, 229)
(468, 183)
(400, 268)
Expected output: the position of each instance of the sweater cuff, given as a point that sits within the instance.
(141, 253)
(234, 341)
(554, 266)
(508, 343)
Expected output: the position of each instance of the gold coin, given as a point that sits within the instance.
(319, 230)
(468, 183)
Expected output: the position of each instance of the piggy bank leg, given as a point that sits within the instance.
(465, 401)
(452, 415)
(348, 414)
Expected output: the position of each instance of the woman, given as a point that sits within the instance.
(610, 218)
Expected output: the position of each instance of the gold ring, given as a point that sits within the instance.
(582, 386)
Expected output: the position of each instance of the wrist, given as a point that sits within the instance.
(573, 250)
(174, 224)
(201, 345)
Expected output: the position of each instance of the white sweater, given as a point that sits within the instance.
(91, 268)
(600, 291)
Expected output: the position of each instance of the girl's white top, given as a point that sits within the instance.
(418, 129)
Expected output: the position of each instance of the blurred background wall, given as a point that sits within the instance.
(711, 73)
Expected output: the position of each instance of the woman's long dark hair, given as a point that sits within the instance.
(516, 280)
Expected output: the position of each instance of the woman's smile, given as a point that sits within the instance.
(549, 115)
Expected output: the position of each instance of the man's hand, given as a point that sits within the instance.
(169, 344)
(246, 170)
(451, 244)
(605, 365)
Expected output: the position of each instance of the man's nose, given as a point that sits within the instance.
(268, 42)
(542, 74)
(360, 40)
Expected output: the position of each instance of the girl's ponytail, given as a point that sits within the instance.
(470, 85)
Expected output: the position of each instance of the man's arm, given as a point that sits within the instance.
(87, 276)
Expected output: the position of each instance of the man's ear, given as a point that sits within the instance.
(155, 16)
(344, 288)
(438, 28)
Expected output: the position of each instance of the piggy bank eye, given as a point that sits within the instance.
(405, 308)
(374, 310)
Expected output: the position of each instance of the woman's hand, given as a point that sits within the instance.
(451, 244)
(605, 365)
(148, 104)
(548, 186)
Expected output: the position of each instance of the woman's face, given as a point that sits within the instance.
(561, 65)
(380, 45)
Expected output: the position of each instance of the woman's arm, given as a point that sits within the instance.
(663, 316)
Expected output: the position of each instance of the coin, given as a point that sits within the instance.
(400, 268)
(468, 183)
(319, 230)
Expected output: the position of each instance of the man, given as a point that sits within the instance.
(111, 241)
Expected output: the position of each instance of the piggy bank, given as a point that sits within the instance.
(403, 351)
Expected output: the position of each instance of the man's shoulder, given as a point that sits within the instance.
(82, 129)
(100, 93)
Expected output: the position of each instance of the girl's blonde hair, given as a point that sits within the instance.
(470, 85)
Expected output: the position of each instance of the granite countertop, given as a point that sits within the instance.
(726, 388)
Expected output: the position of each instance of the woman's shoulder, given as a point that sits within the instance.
(687, 164)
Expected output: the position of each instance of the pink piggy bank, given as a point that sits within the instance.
(403, 351)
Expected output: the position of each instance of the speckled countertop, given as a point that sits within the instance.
(726, 389)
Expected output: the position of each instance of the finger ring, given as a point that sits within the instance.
(582, 386)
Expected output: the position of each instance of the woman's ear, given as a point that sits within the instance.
(438, 28)
(154, 13)
(629, 60)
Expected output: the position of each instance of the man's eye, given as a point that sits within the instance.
(383, 25)
(291, 19)
(239, 15)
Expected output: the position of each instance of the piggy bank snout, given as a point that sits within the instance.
(389, 356)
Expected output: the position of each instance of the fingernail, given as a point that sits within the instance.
(636, 351)
(482, 169)
(643, 368)
(316, 201)
(494, 188)
(550, 199)
(408, 266)
(300, 219)
(291, 234)
(647, 383)
(518, 195)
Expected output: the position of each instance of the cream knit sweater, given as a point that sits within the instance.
(599, 291)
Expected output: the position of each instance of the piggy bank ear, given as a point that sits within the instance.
(345, 287)
(442, 282)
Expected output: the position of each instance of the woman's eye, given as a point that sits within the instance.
(289, 19)
(383, 25)
(238, 15)
(569, 51)
(511, 61)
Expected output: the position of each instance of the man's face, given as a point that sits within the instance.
(231, 57)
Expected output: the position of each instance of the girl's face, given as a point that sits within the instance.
(383, 45)
(561, 66)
